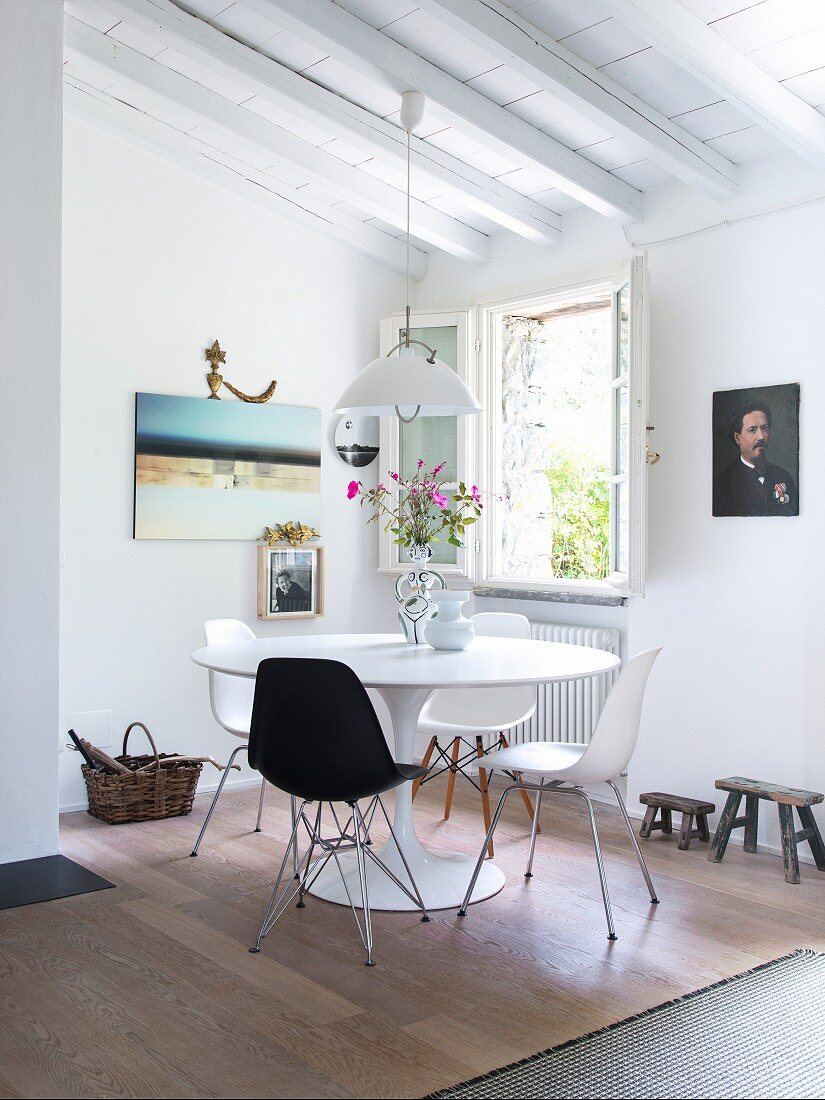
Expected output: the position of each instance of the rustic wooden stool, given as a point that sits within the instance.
(690, 808)
(786, 798)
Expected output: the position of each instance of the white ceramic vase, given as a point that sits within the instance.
(414, 595)
(449, 629)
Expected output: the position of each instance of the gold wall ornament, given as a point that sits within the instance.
(293, 532)
(216, 355)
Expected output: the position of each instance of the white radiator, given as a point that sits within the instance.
(568, 712)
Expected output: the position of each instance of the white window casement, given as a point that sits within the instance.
(434, 439)
(561, 374)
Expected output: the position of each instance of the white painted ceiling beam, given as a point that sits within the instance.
(97, 53)
(535, 55)
(125, 122)
(279, 85)
(703, 53)
(357, 44)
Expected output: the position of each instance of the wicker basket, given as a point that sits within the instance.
(164, 790)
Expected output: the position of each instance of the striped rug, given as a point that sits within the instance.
(757, 1034)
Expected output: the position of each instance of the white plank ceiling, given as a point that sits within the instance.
(535, 107)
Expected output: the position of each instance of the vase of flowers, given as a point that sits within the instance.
(419, 511)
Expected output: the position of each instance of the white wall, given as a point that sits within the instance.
(30, 128)
(157, 264)
(737, 603)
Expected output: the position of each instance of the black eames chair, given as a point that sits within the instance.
(315, 734)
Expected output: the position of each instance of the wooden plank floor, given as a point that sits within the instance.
(149, 990)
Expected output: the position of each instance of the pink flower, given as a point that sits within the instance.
(382, 488)
(420, 463)
(413, 490)
(475, 494)
(439, 499)
(393, 475)
(439, 468)
(352, 490)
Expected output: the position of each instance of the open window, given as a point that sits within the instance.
(564, 437)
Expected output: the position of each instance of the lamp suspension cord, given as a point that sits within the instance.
(407, 419)
(407, 288)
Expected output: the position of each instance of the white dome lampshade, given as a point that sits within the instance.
(408, 384)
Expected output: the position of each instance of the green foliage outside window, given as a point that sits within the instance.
(580, 516)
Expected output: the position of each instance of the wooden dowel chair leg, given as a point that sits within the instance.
(425, 763)
(448, 801)
(525, 797)
(485, 795)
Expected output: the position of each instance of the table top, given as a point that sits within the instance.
(386, 660)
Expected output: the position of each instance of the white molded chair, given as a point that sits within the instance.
(231, 699)
(461, 714)
(563, 769)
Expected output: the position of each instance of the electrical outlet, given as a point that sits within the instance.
(94, 726)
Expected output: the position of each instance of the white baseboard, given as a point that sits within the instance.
(598, 794)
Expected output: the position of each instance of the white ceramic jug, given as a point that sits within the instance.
(449, 629)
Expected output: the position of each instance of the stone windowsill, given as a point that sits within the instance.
(544, 596)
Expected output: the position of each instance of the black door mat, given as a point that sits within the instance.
(32, 880)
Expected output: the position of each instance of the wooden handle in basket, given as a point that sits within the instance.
(150, 738)
(103, 758)
(190, 760)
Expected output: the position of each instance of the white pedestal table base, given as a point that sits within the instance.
(442, 877)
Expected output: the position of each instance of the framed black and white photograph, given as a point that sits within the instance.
(356, 439)
(290, 582)
(756, 451)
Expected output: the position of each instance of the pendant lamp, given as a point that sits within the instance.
(402, 383)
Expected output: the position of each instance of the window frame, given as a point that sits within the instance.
(610, 279)
(389, 457)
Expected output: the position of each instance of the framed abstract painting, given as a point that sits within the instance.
(222, 469)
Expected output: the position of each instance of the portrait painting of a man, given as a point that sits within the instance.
(756, 451)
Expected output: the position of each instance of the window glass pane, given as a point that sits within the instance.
(554, 440)
(623, 335)
(433, 438)
(621, 528)
(622, 429)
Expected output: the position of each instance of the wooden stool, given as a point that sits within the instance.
(785, 798)
(690, 808)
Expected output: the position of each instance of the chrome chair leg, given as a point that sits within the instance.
(293, 809)
(362, 878)
(608, 912)
(273, 904)
(651, 888)
(418, 899)
(529, 872)
(309, 868)
(313, 840)
(261, 806)
(211, 810)
(462, 912)
(611, 932)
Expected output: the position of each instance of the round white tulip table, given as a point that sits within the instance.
(406, 675)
